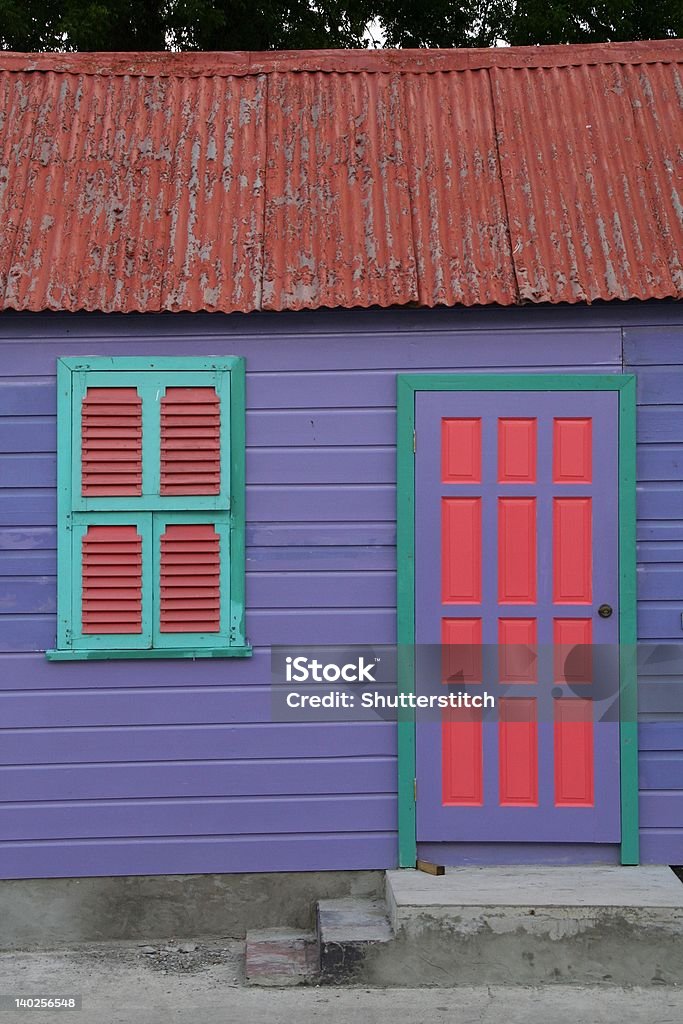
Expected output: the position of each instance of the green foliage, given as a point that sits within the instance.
(439, 23)
(126, 25)
(82, 25)
(312, 24)
(29, 25)
(575, 21)
(268, 25)
(114, 24)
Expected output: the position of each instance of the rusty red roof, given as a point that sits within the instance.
(245, 181)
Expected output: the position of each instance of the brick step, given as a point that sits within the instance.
(281, 956)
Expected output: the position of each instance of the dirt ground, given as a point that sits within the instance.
(203, 983)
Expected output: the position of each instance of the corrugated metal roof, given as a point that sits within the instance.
(341, 178)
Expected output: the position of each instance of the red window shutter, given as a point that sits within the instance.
(111, 442)
(190, 579)
(190, 441)
(112, 580)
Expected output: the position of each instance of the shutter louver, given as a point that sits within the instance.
(190, 441)
(112, 580)
(190, 579)
(111, 442)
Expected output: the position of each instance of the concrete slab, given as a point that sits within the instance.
(527, 925)
(520, 886)
(50, 912)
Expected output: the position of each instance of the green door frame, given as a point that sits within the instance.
(407, 387)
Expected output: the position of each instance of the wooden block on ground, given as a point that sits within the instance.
(429, 868)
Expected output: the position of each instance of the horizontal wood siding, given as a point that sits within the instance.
(655, 354)
(143, 767)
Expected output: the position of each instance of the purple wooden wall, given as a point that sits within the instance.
(654, 351)
(140, 767)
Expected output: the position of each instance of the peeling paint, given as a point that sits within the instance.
(609, 159)
(270, 181)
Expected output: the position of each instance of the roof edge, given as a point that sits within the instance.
(422, 61)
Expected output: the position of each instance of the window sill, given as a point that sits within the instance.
(158, 653)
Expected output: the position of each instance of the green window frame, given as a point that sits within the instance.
(151, 512)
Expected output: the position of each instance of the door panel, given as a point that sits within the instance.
(516, 547)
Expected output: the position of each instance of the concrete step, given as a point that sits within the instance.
(533, 925)
(281, 956)
(509, 926)
(349, 932)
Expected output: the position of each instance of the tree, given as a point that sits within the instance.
(29, 25)
(83, 25)
(182, 24)
(575, 21)
(525, 22)
(308, 24)
(268, 24)
(440, 23)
